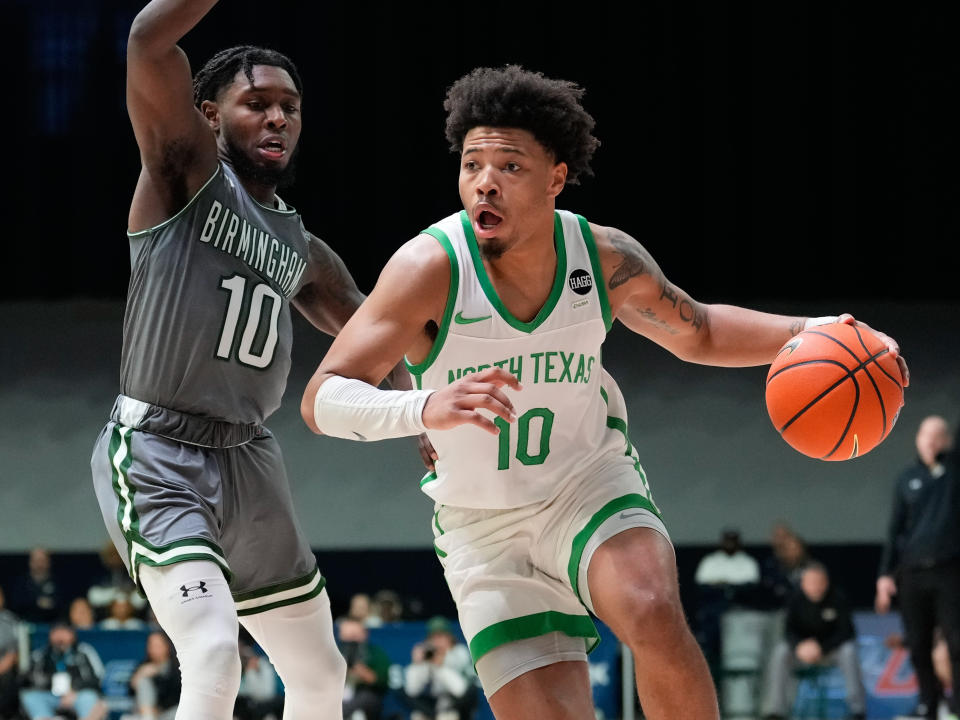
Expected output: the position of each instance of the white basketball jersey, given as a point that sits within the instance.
(564, 426)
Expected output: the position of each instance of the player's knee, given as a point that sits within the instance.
(651, 612)
(213, 666)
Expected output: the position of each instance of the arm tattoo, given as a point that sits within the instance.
(669, 293)
(634, 261)
(796, 327)
(690, 314)
(650, 316)
(331, 293)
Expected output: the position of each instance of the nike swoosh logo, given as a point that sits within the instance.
(624, 516)
(359, 436)
(461, 320)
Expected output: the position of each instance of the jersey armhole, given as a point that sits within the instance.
(597, 271)
(420, 368)
(147, 231)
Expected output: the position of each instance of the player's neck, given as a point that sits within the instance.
(528, 253)
(263, 193)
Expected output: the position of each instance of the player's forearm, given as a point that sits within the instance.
(740, 337)
(161, 23)
(355, 410)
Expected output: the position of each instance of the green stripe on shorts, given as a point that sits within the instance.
(530, 626)
(281, 594)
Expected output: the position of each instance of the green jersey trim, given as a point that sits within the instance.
(430, 476)
(601, 284)
(624, 502)
(420, 368)
(490, 291)
(147, 231)
(533, 625)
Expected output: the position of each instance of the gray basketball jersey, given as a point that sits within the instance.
(207, 328)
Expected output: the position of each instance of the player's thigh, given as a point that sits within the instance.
(271, 560)
(160, 498)
(501, 596)
(633, 584)
(590, 514)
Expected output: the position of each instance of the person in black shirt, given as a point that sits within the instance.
(921, 559)
(818, 631)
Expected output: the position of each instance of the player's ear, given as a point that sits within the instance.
(558, 179)
(211, 112)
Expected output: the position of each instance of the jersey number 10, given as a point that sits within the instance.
(522, 452)
(257, 345)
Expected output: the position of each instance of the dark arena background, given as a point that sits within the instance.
(790, 156)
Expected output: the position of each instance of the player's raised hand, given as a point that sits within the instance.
(459, 402)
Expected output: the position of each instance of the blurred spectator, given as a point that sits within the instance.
(156, 681)
(81, 614)
(122, 616)
(921, 559)
(781, 572)
(818, 631)
(9, 700)
(64, 677)
(387, 607)
(440, 683)
(725, 577)
(368, 671)
(360, 610)
(35, 596)
(259, 696)
(113, 581)
(728, 565)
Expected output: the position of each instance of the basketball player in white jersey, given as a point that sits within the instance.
(543, 511)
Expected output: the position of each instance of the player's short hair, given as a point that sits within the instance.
(512, 97)
(222, 68)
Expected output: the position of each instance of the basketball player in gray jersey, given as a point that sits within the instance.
(191, 485)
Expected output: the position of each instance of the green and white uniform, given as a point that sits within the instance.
(518, 515)
(184, 469)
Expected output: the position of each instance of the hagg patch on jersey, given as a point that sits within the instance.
(580, 281)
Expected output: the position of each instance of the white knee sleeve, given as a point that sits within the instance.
(193, 605)
(299, 640)
(508, 662)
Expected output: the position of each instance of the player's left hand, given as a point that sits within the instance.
(891, 344)
(427, 454)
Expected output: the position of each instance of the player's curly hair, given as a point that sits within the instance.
(222, 68)
(512, 97)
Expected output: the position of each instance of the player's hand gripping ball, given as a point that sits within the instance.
(834, 392)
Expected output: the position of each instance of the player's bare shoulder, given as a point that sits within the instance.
(420, 271)
(627, 266)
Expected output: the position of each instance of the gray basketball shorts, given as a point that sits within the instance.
(174, 487)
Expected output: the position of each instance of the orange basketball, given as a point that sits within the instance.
(834, 392)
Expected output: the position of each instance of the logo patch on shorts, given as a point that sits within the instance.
(580, 281)
(193, 592)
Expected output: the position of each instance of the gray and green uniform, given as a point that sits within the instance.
(184, 469)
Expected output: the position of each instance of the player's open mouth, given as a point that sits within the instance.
(273, 148)
(486, 221)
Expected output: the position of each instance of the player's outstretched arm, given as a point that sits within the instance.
(178, 150)
(644, 300)
(342, 398)
(329, 297)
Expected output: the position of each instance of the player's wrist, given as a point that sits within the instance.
(352, 409)
(822, 320)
